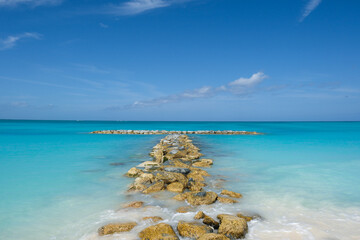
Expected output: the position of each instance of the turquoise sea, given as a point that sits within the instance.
(59, 182)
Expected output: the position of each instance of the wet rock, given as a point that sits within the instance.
(161, 231)
(145, 178)
(182, 196)
(199, 215)
(153, 219)
(134, 172)
(195, 186)
(184, 209)
(116, 228)
(213, 236)
(192, 229)
(149, 165)
(137, 187)
(178, 163)
(211, 222)
(203, 163)
(175, 187)
(231, 194)
(226, 200)
(137, 204)
(231, 226)
(177, 170)
(170, 177)
(202, 198)
(247, 218)
(156, 187)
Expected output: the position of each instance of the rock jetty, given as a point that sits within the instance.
(178, 171)
(166, 132)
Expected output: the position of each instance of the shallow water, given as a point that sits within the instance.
(58, 182)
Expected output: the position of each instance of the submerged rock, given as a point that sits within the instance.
(201, 198)
(231, 226)
(192, 229)
(161, 231)
(203, 163)
(213, 236)
(153, 219)
(226, 200)
(116, 228)
(184, 209)
(137, 204)
(231, 193)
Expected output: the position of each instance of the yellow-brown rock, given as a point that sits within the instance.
(195, 176)
(156, 187)
(182, 196)
(196, 186)
(178, 163)
(213, 236)
(161, 231)
(247, 218)
(203, 163)
(145, 178)
(211, 222)
(201, 198)
(232, 226)
(116, 228)
(175, 187)
(137, 204)
(226, 200)
(153, 219)
(134, 172)
(170, 177)
(137, 187)
(231, 194)
(184, 209)
(199, 215)
(192, 229)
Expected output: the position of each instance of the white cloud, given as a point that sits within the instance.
(310, 6)
(34, 3)
(11, 41)
(103, 25)
(240, 86)
(134, 7)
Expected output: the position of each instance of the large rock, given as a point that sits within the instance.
(182, 196)
(226, 200)
(195, 186)
(231, 226)
(116, 228)
(201, 198)
(231, 193)
(156, 187)
(192, 229)
(175, 187)
(213, 236)
(145, 178)
(161, 231)
(203, 163)
(181, 170)
(211, 222)
(170, 177)
(134, 172)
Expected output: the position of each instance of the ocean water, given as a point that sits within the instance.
(59, 182)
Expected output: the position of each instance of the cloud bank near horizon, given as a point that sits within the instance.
(33, 3)
(239, 87)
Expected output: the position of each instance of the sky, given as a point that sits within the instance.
(180, 60)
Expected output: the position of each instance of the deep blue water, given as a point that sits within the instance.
(56, 180)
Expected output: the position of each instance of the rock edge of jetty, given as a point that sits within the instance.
(166, 132)
(178, 168)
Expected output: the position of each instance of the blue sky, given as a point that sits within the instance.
(180, 60)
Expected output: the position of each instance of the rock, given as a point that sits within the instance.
(156, 187)
(211, 222)
(199, 215)
(182, 196)
(170, 177)
(134, 172)
(161, 231)
(178, 163)
(213, 236)
(192, 229)
(137, 204)
(149, 165)
(231, 194)
(195, 186)
(184, 209)
(181, 170)
(226, 200)
(202, 198)
(203, 163)
(145, 178)
(153, 219)
(231, 226)
(116, 228)
(137, 187)
(175, 187)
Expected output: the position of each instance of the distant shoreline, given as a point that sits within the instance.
(166, 132)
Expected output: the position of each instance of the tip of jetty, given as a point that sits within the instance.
(178, 168)
(166, 132)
